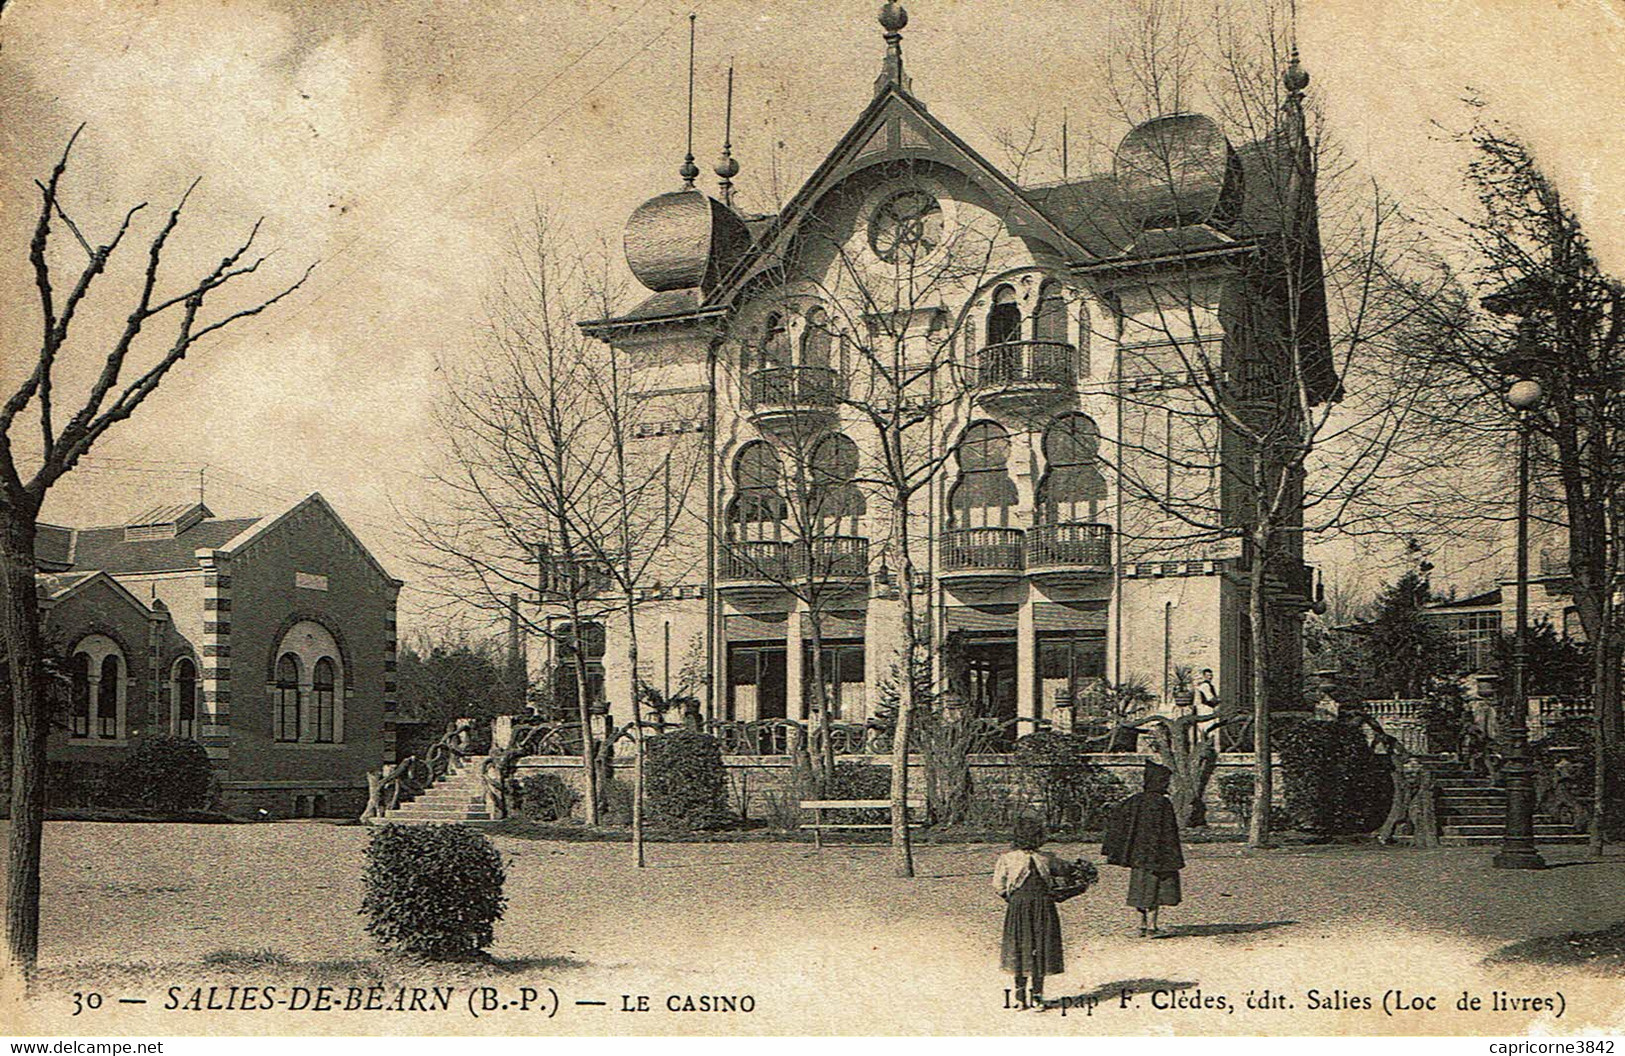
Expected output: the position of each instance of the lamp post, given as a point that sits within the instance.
(1518, 841)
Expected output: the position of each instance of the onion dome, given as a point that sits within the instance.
(893, 17)
(683, 240)
(1178, 170)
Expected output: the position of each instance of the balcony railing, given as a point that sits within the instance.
(755, 559)
(792, 388)
(589, 575)
(833, 557)
(1025, 364)
(983, 549)
(1070, 543)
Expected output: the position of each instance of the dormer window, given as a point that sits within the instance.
(165, 522)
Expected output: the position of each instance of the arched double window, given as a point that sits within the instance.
(984, 495)
(308, 693)
(1072, 487)
(183, 699)
(100, 686)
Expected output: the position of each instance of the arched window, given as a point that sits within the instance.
(183, 699)
(758, 509)
(1049, 324)
(309, 688)
(322, 688)
(1004, 320)
(984, 494)
(79, 709)
(817, 340)
(287, 691)
(1072, 487)
(775, 347)
(100, 685)
(837, 502)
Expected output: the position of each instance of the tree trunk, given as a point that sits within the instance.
(902, 849)
(826, 748)
(589, 768)
(30, 716)
(637, 731)
(1605, 683)
(1258, 828)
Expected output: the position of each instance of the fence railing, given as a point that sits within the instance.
(769, 737)
(1026, 363)
(752, 559)
(973, 549)
(792, 387)
(1075, 543)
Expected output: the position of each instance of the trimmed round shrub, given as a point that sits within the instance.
(169, 774)
(684, 781)
(1335, 785)
(1077, 793)
(545, 797)
(433, 891)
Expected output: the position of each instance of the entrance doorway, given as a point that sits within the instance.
(989, 681)
(756, 682)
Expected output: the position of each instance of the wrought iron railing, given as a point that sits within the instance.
(589, 575)
(792, 387)
(1026, 363)
(973, 549)
(1070, 543)
(832, 557)
(755, 559)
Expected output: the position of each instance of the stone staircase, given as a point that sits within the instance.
(454, 799)
(1472, 810)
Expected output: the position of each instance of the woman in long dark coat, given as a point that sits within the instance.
(1143, 835)
(1031, 947)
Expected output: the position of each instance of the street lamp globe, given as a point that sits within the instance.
(1524, 395)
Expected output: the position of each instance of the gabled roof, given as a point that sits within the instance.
(108, 549)
(59, 587)
(260, 527)
(894, 127)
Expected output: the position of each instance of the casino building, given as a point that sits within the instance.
(1080, 509)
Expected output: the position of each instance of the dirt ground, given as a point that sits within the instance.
(821, 942)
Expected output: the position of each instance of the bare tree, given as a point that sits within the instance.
(128, 375)
(1535, 304)
(523, 449)
(1253, 412)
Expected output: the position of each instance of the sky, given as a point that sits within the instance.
(396, 141)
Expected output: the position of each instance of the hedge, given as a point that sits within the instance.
(434, 891)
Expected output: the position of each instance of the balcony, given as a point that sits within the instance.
(792, 397)
(589, 576)
(1069, 550)
(982, 558)
(834, 557)
(1030, 373)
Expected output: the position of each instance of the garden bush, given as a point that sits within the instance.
(169, 774)
(685, 782)
(1077, 793)
(433, 891)
(1236, 793)
(545, 797)
(861, 781)
(1334, 784)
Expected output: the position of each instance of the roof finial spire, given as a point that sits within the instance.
(893, 17)
(727, 167)
(1296, 78)
(689, 170)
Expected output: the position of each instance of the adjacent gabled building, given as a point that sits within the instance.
(271, 640)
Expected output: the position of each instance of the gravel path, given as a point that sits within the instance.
(829, 942)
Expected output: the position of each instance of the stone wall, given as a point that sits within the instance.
(753, 780)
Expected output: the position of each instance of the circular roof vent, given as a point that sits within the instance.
(682, 240)
(1178, 170)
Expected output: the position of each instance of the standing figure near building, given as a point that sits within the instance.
(1031, 947)
(1143, 836)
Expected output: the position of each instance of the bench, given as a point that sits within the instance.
(818, 806)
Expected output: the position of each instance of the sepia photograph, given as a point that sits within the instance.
(818, 519)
